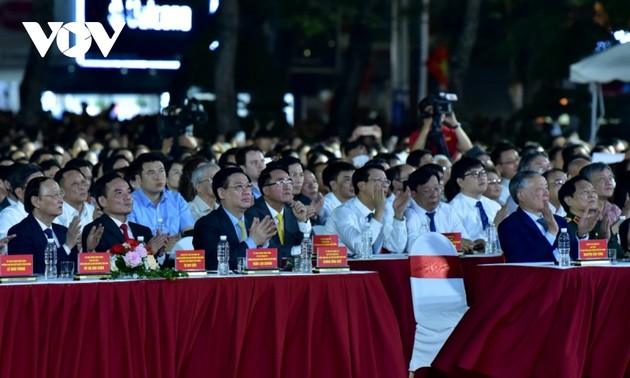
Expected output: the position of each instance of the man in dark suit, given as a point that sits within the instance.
(277, 202)
(233, 189)
(530, 234)
(113, 195)
(43, 201)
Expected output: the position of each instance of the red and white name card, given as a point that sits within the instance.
(262, 258)
(332, 257)
(593, 249)
(455, 238)
(93, 263)
(190, 260)
(324, 241)
(16, 265)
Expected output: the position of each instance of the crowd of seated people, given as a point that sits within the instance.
(274, 194)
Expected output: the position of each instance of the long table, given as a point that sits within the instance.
(337, 325)
(543, 321)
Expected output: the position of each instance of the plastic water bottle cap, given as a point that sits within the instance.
(307, 235)
(563, 229)
(51, 240)
(223, 238)
(141, 239)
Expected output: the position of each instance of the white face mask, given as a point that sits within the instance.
(360, 160)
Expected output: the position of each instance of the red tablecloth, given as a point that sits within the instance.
(543, 322)
(394, 274)
(288, 326)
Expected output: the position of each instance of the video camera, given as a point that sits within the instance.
(180, 120)
(441, 104)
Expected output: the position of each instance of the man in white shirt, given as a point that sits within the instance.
(20, 175)
(505, 158)
(75, 188)
(465, 191)
(367, 209)
(252, 161)
(427, 213)
(337, 177)
(204, 201)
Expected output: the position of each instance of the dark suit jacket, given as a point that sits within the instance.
(292, 234)
(30, 239)
(112, 234)
(522, 241)
(208, 230)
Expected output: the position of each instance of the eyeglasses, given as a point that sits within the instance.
(240, 188)
(477, 174)
(494, 182)
(380, 181)
(282, 182)
(558, 182)
(54, 195)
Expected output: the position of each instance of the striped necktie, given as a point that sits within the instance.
(280, 227)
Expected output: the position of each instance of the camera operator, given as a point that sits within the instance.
(441, 133)
(176, 124)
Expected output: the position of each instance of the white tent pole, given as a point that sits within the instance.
(593, 89)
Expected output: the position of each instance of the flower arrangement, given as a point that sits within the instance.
(134, 259)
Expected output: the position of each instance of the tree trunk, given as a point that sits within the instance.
(224, 81)
(356, 59)
(461, 55)
(34, 80)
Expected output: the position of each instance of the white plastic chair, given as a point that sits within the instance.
(183, 244)
(439, 297)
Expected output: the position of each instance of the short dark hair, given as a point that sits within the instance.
(363, 174)
(458, 170)
(221, 179)
(587, 171)
(108, 164)
(62, 171)
(332, 171)
(79, 163)
(135, 169)
(568, 190)
(265, 175)
(420, 177)
(19, 174)
(566, 163)
(100, 186)
(527, 158)
(241, 154)
(33, 190)
(500, 148)
(517, 183)
(288, 161)
(47, 164)
(223, 159)
(415, 156)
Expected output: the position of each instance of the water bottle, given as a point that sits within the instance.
(223, 256)
(365, 246)
(50, 259)
(306, 253)
(564, 248)
(161, 229)
(492, 240)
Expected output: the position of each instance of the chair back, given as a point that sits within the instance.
(438, 294)
(183, 244)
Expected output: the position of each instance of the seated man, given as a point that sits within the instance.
(426, 209)
(233, 190)
(368, 208)
(43, 201)
(277, 203)
(113, 195)
(580, 200)
(75, 187)
(337, 177)
(19, 175)
(530, 234)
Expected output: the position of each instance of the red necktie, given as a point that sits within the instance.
(124, 228)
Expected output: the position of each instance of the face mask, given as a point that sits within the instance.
(360, 160)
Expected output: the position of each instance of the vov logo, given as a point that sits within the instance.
(84, 33)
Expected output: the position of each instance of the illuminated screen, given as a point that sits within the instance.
(153, 38)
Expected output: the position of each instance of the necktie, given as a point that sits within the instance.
(541, 221)
(241, 225)
(49, 233)
(125, 231)
(370, 216)
(280, 227)
(431, 216)
(482, 213)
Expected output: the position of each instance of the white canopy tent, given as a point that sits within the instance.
(610, 65)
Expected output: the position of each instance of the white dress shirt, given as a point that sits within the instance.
(505, 193)
(446, 220)
(331, 202)
(12, 215)
(348, 220)
(466, 208)
(70, 212)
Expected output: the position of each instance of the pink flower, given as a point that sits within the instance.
(133, 259)
(141, 250)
